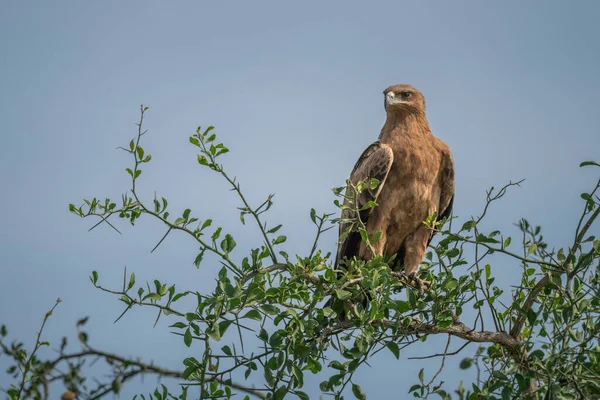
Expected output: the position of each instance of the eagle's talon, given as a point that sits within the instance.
(419, 283)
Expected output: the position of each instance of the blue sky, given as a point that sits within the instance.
(295, 91)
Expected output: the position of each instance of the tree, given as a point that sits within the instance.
(538, 340)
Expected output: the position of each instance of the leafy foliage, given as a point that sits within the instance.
(538, 339)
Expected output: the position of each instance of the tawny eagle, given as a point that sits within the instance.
(416, 174)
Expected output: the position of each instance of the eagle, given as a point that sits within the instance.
(415, 171)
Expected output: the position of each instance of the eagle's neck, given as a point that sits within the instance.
(404, 124)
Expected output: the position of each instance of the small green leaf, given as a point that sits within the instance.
(402, 306)
(313, 215)
(363, 234)
(253, 314)
(393, 347)
(275, 229)
(270, 309)
(228, 244)
(131, 281)
(214, 333)
(179, 221)
(532, 248)
(216, 234)
(358, 393)
(369, 205)
(467, 226)
(187, 337)
(279, 239)
(206, 224)
(202, 160)
(585, 163)
(465, 363)
(376, 237)
(342, 294)
(94, 277)
(152, 296)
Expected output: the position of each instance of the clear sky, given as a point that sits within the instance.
(295, 91)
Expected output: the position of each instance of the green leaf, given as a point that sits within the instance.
(152, 296)
(532, 248)
(481, 238)
(270, 309)
(369, 205)
(401, 306)
(131, 281)
(279, 239)
(342, 294)
(253, 314)
(206, 224)
(187, 337)
(214, 333)
(313, 215)
(179, 221)
(228, 244)
(280, 393)
(376, 237)
(216, 234)
(373, 183)
(328, 312)
(202, 160)
(301, 395)
(393, 347)
(358, 393)
(94, 277)
(363, 234)
(450, 285)
(275, 229)
(465, 363)
(467, 226)
(585, 163)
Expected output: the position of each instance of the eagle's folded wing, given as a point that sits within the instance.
(447, 188)
(375, 162)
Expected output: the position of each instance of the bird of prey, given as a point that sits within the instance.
(416, 174)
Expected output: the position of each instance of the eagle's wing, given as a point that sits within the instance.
(447, 187)
(374, 162)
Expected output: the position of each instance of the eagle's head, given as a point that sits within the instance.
(404, 98)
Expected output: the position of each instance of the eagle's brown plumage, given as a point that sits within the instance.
(416, 175)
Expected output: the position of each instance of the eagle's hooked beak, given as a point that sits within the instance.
(389, 99)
